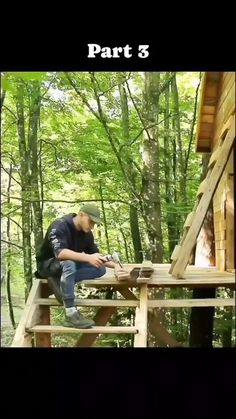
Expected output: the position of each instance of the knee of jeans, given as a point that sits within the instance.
(68, 267)
(101, 271)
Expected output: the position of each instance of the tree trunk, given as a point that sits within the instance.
(135, 234)
(125, 245)
(134, 223)
(8, 258)
(25, 185)
(171, 219)
(2, 99)
(104, 217)
(34, 114)
(201, 319)
(150, 175)
(180, 157)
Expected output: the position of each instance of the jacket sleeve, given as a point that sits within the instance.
(58, 239)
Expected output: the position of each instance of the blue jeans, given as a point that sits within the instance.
(73, 272)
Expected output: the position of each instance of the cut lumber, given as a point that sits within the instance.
(94, 329)
(140, 339)
(89, 302)
(196, 302)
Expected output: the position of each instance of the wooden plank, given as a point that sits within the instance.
(220, 244)
(204, 203)
(219, 215)
(225, 88)
(226, 76)
(208, 110)
(220, 225)
(140, 339)
(214, 157)
(202, 187)
(223, 114)
(207, 118)
(230, 165)
(211, 89)
(220, 259)
(189, 219)
(230, 229)
(95, 329)
(219, 207)
(175, 252)
(130, 266)
(22, 338)
(200, 302)
(92, 302)
(220, 235)
(189, 281)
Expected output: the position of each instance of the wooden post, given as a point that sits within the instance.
(140, 339)
(43, 340)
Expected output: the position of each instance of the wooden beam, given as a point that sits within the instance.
(22, 338)
(223, 279)
(201, 302)
(89, 303)
(158, 330)
(47, 329)
(140, 339)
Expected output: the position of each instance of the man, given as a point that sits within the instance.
(68, 255)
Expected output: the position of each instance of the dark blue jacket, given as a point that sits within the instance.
(62, 234)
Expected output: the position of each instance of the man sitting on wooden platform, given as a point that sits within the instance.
(68, 254)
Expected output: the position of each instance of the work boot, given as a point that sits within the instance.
(78, 321)
(54, 284)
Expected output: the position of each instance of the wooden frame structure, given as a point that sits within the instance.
(34, 329)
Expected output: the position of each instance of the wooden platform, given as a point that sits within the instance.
(35, 329)
(193, 277)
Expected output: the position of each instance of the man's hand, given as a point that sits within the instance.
(96, 259)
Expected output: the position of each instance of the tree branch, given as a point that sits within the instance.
(13, 244)
(9, 110)
(11, 219)
(9, 174)
(81, 95)
(12, 211)
(138, 112)
(69, 202)
(193, 124)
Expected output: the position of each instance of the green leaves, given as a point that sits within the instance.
(9, 78)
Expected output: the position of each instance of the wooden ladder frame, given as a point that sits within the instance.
(207, 188)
